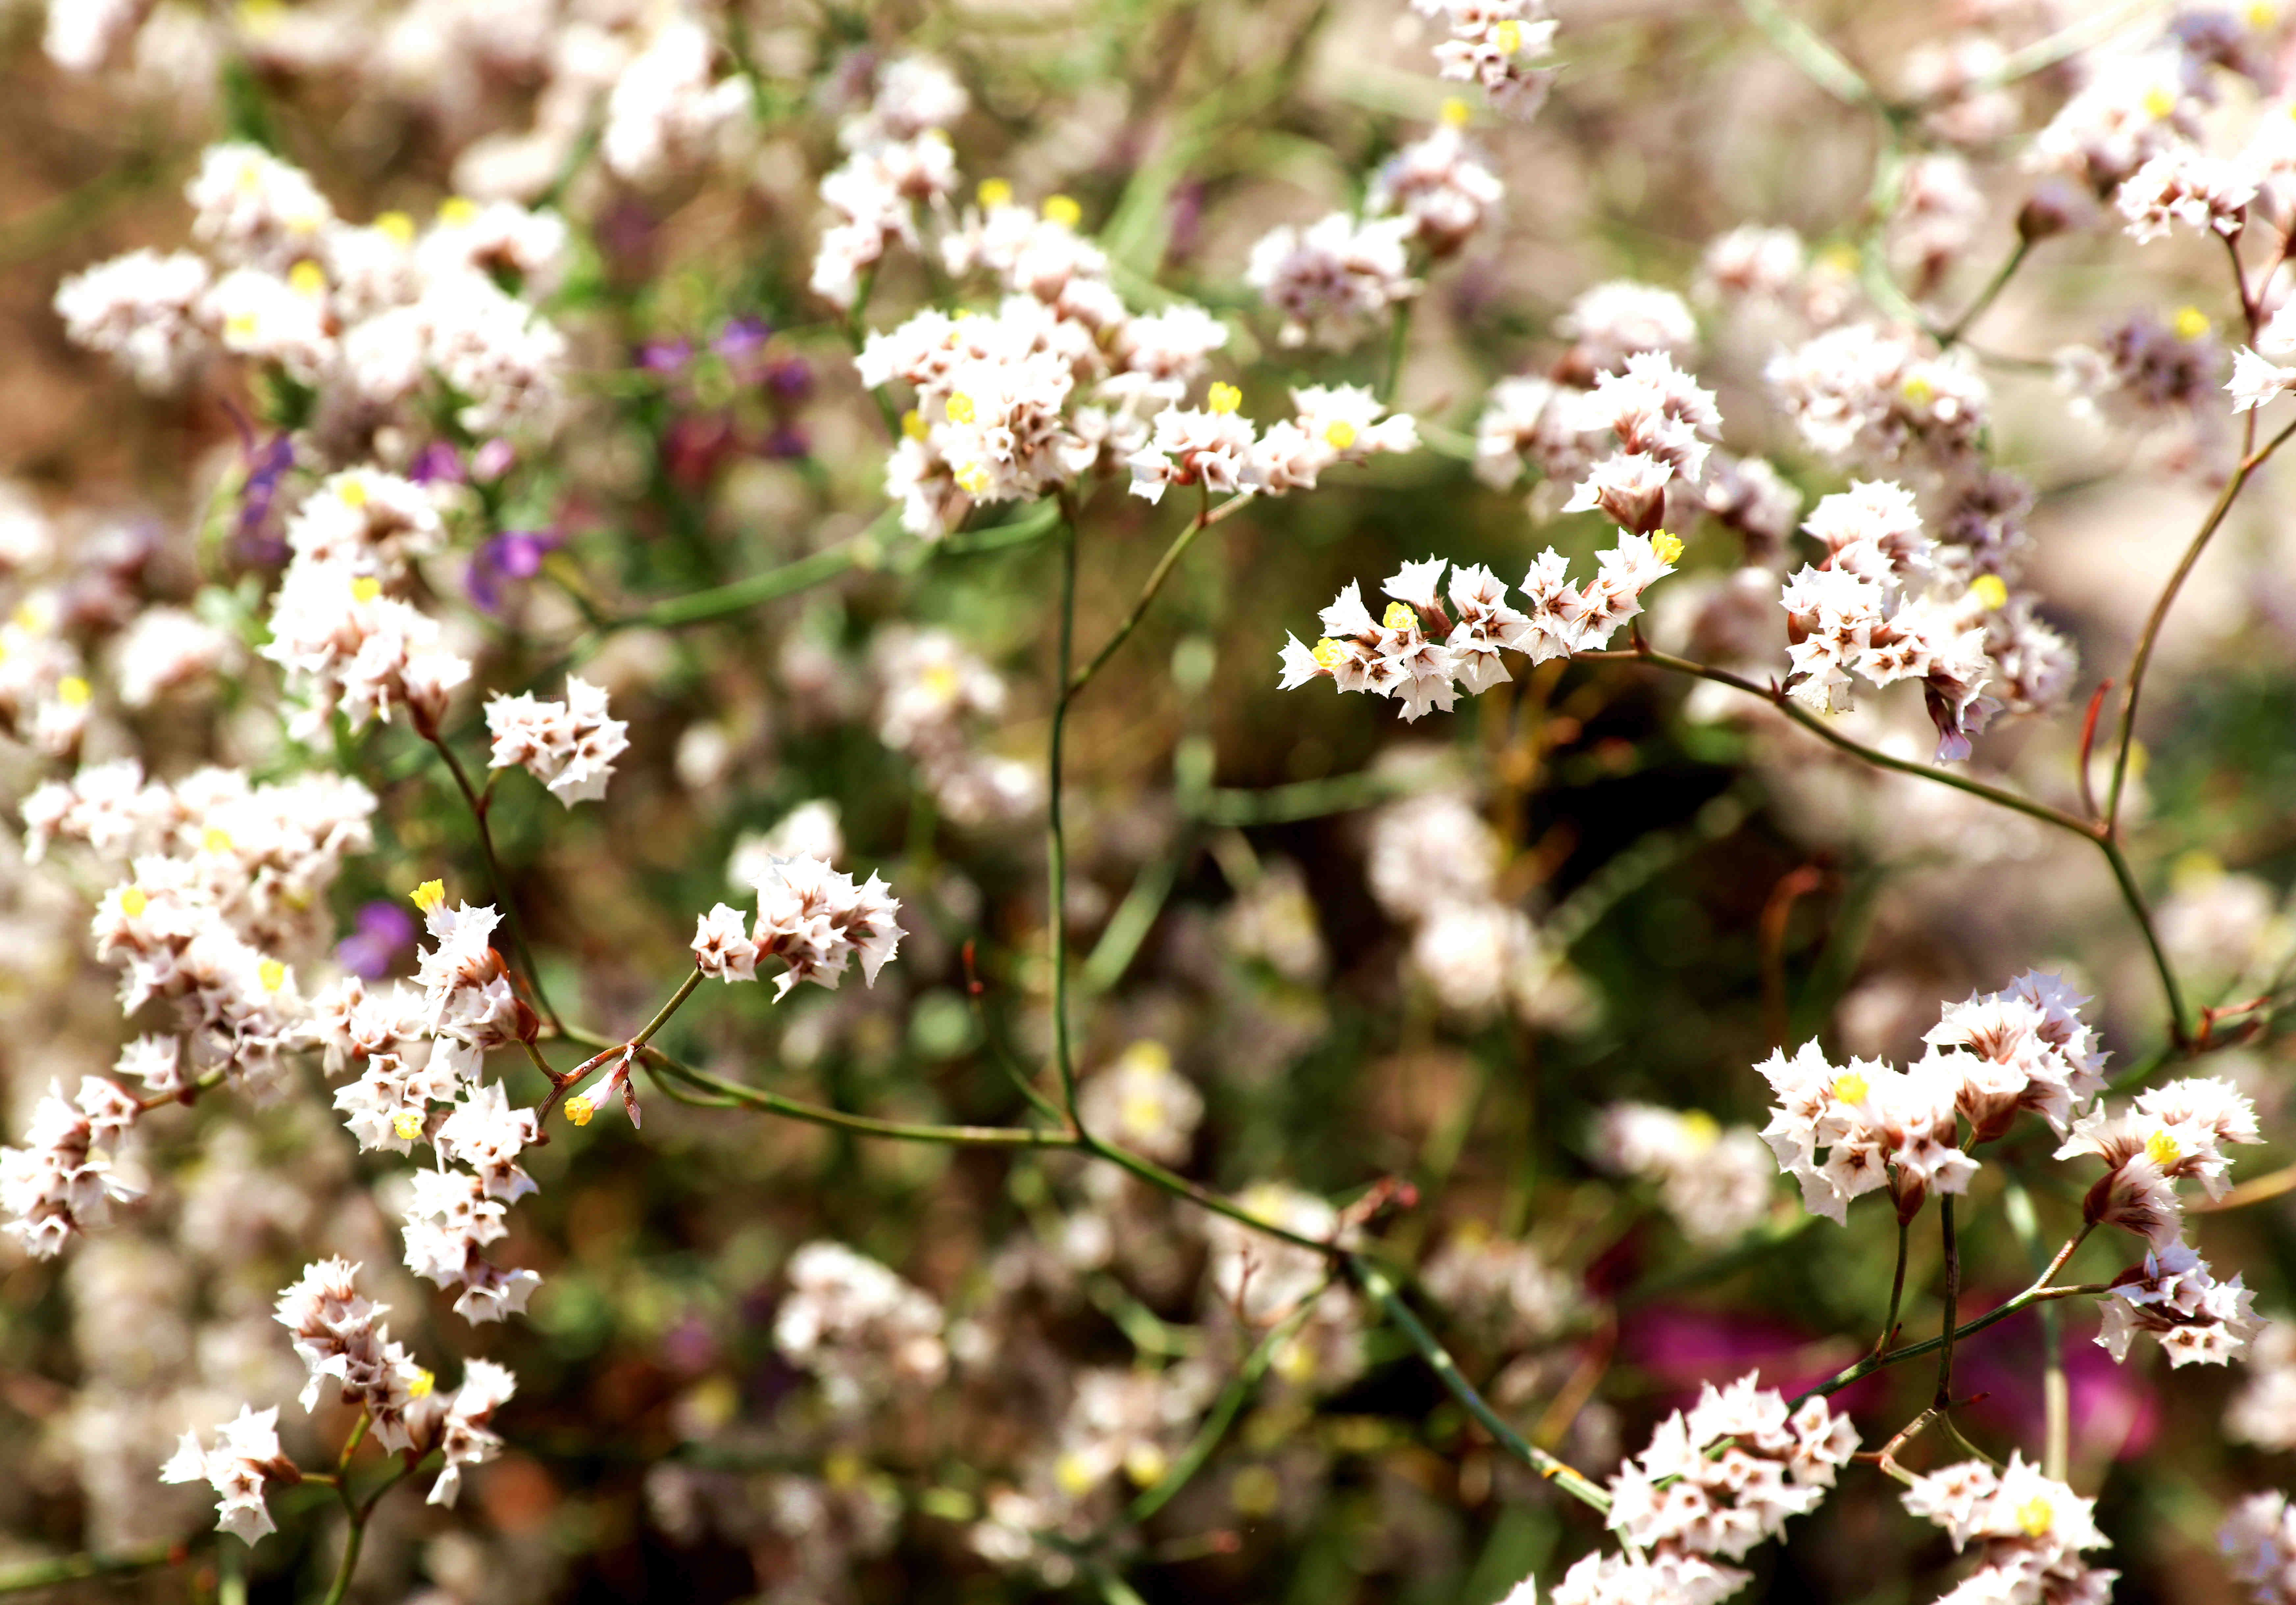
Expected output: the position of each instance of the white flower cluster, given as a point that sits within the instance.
(1336, 278)
(900, 157)
(2261, 374)
(812, 918)
(361, 313)
(1715, 1182)
(1498, 45)
(2197, 1319)
(1506, 1292)
(931, 690)
(1416, 655)
(1220, 448)
(666, 105)
(2030, 1531)
(1865, 392)
(1141, 1103)
(245, 1456)
(858, 1328)
(1663, 424)
(61, 1181)
(338, 1336)
(2171, 1133)
(569, 746)
(2024, 1048)
(1715, 1481)
(1442, 184)
(2263, 1412)
(2258, 1542)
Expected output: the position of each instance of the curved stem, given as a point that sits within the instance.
(1951, 335)
(495, 879)
(1203, 520)
(1374, 1282)
(821, 1114)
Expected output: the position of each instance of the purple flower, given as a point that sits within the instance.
(384, 931)
(790, 379)
(665, 356)
(436, 464)
(512, 554)
(787, 441)
(493, 459)
(743, 341)
(267, 463)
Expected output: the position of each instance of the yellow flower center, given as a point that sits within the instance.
(1064, 211)
(1850, 1087)
(1074, 1474)
(2036, 1516)
(994, 192)
(2263, 14)
(408, 1124)
(1400, 617)
(1339, 434)
(579, 1109)
(73, 691)
(2162, 1147)
(272, 973)
(352, 493)
(1328, 652)
(240, 326)
(428, 895)
(2159, 103)
(1223, 398)
(1146, 1464)
(960, 409)
(1454, 111)
(455, 211)
(1701, 1130)
(132, 902)
(1667, 547)
(307, 277)
(2191, 322)
(1989, 592)
(419, 1386)
(366, 587)
(974, 479)
(1919, 390)
(214, 839)
(395, 225)
(1508, 38)
(913, 425)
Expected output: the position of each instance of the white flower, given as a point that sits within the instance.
(1613, 321)
(1332, 278)
(59, 1183)
(246, 1452)
(722, 945)
(1716, 1183)
(1442, 184)
(462, 1432)
(146, 311)
(1722, 1477)
(2196, 1318)
(2185, 186)
(816, 920)
(857, 1327)
(569, 746)
(1193, 446)
(254, 209)
(666, 104)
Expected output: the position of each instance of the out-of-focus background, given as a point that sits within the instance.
(1275, 986)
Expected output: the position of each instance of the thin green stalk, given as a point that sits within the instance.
(1224, 1413)
(1398, 340)
(1866, 1367)
(2143, 658)
(497, 879)
(1204, 519)
(360, 1512)
(2056, 1396)
(661, 1016)
(1951, 335)
(820, 1114)
(1952, 1242)
(1055, 838)
(739, 596)
(1383, 1292)
(1819, 61)
(77, 1568)
(1896, 1293)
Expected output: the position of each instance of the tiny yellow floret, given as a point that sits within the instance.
(272, 973)
(407, 1124)
(2263, 14)
(913, 425)
(428, 895)
(2037, 1515)
(419, 1386)
(1400, 617)
(74, 692)
(1339, 434)
(960, 407)
(994, 192)
(1850, 1087)
(1990, 592)
(2160, 1148)
(132, 902)
(397, 224)
(1507, 37)
(240, 326)
(1328, 652)
(1223, 398)
(366, 587)
(1455, 112)
(1075, 1475)
(1701, 1130)
(1667, 547)
(579, 1109)
(457, 209)
(1146, 1464)
(216, 840)
(1919, 390)
(2159, 103)
(973, 479)
(352, 493)
(1062, 211)
(307, 277)
(2191, 323)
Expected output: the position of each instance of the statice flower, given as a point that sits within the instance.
(1672, 1579)
(2169, 1133)
(2025, 1047)
(1530, 422)
(2132, 109)
(859, 1329)
(2257, 377)
(339, 1335)
(167, 649)
(1504, 1291)
(1715, 1182)
(1335, 277)
(468, 1002)
(2029, 1531)
(899, 156)
(668, 105)
(254, 210)
(1443, 184)
(450, 1222)
(1215, 447)
(1141, 1103)
(349, 647)
(2176, 1298)
(2142, 367)
(364, 521)
(1868, 392)
(2258, 1543)
(61, 1181)
(1877, 1125)
(2184, 186)
(1619, 317)
(149, 312)
(462, 1431)
(569, 746)
(1496, 44)
(1753, 263)
(245, 1456)
(816, 920)
(1722, 1477)
(1662, 422)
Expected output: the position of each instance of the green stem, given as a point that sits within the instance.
(1374, 1282)
(1952, 1242)
(820, 1114)
(2056, 1397)
(1055, 838)
(1896, 1292)
(1204, 519)
(1866, 1367)
(75, 1568)
(1398, 338)
(1216, 1425)
(661, 1016)
(1951, 335)
(1819, 61)
(742, 595)
(497, 879)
